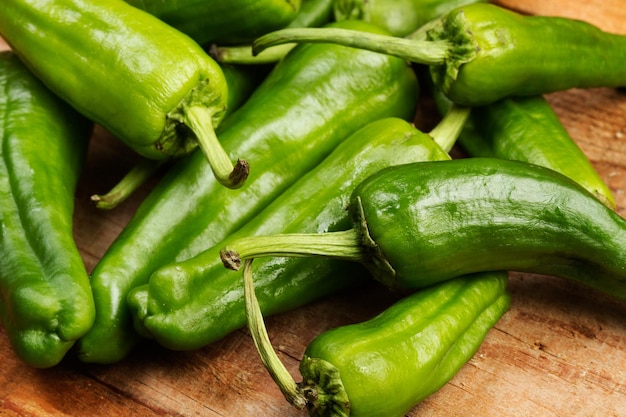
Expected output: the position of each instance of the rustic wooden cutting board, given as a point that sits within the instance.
(559, 351)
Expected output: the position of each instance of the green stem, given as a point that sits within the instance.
(344, 245)
(270, 360)
(198, 119)
(131, 182)
(418, 51)
(242, 55)
(446, 133)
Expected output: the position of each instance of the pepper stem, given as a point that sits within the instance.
(449, 129)
(270, 359)
(131, 182)
(198, 119)
(418, 51)
(242, 55)
(339, 245)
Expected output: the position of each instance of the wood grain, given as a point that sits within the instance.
(559, 351)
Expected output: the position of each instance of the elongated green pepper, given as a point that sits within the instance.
(45, 300)
(398, 17)
(527, 129)
(481, 53)
(420, 224)
(153, 87)
(226, 22)
(312, 100)
(195, 302)
(390, 363)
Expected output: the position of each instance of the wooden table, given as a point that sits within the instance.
(559, 351)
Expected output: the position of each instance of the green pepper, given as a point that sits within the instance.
(45, 300)
(235, 21)
(420, 224)
(312, 13)
(312, 100)
(527, 129)
(481, 53)
(151, 86)
(192, 303)
(398, 17)
(390, 363)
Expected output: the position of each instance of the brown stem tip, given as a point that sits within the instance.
(240, 173)
(230, 259)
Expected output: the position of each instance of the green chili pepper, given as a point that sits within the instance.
(420, 224)
(312, 100)
(398, 17)
(527, 129)
(197, 301)
(312, 13)
(481, 53)
(150, 85)
(45, 300)
(390, 363)
(235, 21)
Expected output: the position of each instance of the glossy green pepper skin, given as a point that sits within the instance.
(436, 221)
(527, 129)
(386, 365)
(399, 17)
(225, 22)
(45, 299)
(192, 303)
(481, 53)
(120, 67)
(312, 100)
(419, 224)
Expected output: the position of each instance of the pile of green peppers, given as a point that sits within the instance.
(336, 185)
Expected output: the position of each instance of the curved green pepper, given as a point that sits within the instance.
(150, 85)
(311, 101)
(390, 363)
(197, 301)
(398, 17)
(45, 300)
(481, 53)
(527, 129)
(237, 21)
(420, 224)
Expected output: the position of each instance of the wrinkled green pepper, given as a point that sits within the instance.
(197, 301)
(527, 129)
(45, 300)
(311, 101)
(481, 53)
(226, 22)
(398, 17)
(151, 86)
(419, 224)
(390, 363)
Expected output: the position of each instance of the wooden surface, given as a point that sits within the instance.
(559, 351)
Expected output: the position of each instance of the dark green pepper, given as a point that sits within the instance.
(419, 224)
(235, 21)
(481, 53)
(312, 100)
(197, 301)
(45, 300)
(390, 363)
(151, 86)
(527, 129)
(398, 17)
